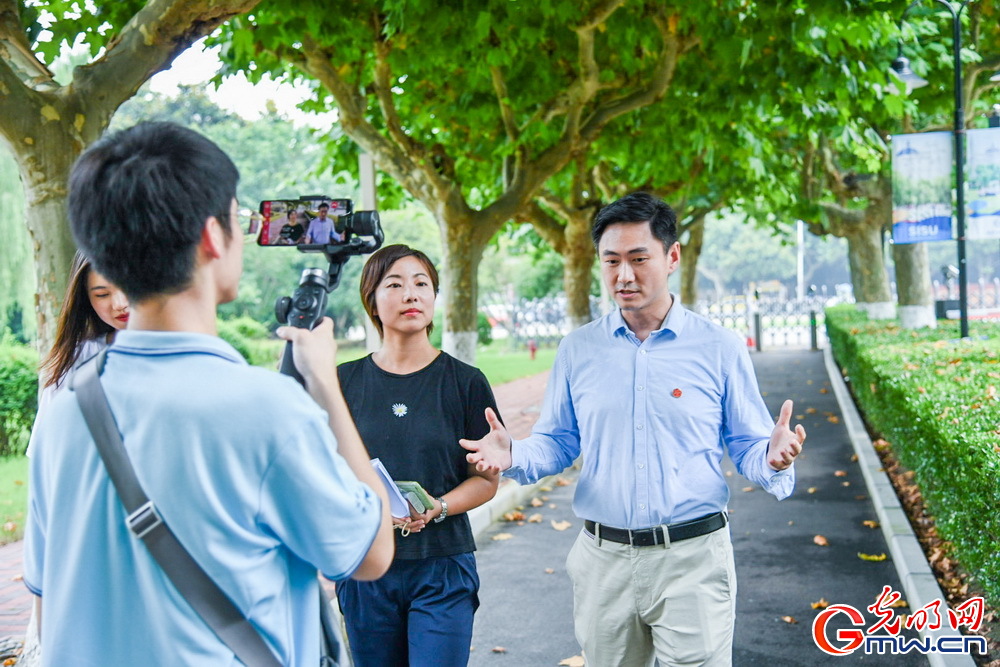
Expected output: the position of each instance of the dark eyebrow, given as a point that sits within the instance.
(633, 251)
(97, 287)
(399, 277)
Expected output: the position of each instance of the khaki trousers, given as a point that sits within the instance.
(674, 604)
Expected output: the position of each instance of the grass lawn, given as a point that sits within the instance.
(497, 363)
(13, 497)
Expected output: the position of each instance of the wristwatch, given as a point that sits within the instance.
(444, 511)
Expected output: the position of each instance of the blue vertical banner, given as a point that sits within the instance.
(982, 173)
(922, 186)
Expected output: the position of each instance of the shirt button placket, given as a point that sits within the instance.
(640, 435)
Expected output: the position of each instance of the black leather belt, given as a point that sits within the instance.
(649, 537)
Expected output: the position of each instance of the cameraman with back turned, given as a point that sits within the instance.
(261, 486)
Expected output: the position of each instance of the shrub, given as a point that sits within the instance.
(19, 398)
(230, 332)
(936, 399)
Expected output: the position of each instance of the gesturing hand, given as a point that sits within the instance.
(491, 453)
(785, 444)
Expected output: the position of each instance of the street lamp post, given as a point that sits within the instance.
(901, 66)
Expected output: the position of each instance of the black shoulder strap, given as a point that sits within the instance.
(201, 592)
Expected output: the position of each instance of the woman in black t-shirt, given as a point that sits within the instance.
(412, 403)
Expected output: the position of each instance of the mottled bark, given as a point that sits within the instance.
(464, 247)
(868, 272)
(578, 263)
(913, 285)
(690, 254)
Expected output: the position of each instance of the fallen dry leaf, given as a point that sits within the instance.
(500, 537)
(870, 523)
(810, 411)
(833, 419)
(821, 541)
(840, 473)
(898, 603)
(513, 516)
(545, 489)
(799, 418)
(560, 525)
(535, 518)
(819, 604)
(812, 489)
(17, 577)
(10, 661)
(824, 390)
(10, 527)
(552, 506)
(549, 570)
(499, 649)
(872, 557)
(18, 482)
(789, 619)
(747, 489)
(537, 502)
(562, 481)
(845, 483)
(729, 473)
(854, 458)
(575, 661)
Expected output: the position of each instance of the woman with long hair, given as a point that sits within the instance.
(92, 311)
(412, 403)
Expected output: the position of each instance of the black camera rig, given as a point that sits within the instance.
(361, 233)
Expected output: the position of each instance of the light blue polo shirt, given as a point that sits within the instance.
(242, 466)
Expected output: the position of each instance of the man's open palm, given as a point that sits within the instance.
(491, 453)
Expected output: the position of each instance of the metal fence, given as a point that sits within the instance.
(771, 323)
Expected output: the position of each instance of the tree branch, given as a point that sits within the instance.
(658, 84)
(383, 93)
(550, 229)
(148, 44)
(351, 104)
(15, 51)
(506, 112)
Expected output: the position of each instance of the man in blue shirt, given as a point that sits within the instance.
(321, 228)
(653, 396)
(262, 485)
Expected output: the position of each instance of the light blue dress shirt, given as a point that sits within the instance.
(653, 420)
(244, 469)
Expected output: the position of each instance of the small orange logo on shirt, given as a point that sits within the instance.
(676, 393)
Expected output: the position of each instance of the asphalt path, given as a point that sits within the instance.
(525, 618)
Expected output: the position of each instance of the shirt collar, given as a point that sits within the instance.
(156, 343)
(674, 322)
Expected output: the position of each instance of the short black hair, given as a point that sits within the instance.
(638, 207)
(139, 199)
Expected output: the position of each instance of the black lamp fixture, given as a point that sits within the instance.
(899, 66)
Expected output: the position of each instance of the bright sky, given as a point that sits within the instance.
(236, 94)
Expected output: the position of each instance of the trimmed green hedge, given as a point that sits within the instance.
(936, 399)
(18, 394)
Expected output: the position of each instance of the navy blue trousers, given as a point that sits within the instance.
(419, 614)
